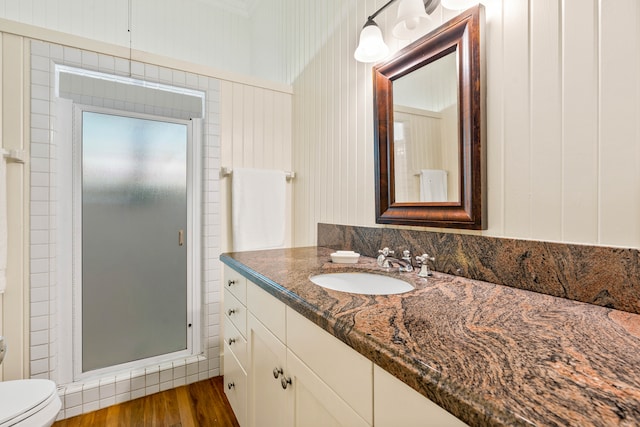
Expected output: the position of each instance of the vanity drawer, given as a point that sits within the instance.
(235, 283)
(236, 312)
(266, 308)
(235, 386)
(235, 341)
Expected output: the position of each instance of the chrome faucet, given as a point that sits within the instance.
(386, 261)
(424, 266)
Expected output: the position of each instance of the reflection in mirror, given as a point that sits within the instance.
(425, 131)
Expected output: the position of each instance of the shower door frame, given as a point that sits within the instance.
(192, 242)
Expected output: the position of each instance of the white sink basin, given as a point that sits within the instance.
(362, 283)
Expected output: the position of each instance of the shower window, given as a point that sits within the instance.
(132, 210)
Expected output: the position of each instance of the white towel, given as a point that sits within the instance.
(433, 185)
(258, 209)
(3, 223)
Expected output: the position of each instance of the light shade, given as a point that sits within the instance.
(371, 47)
(458, 4)
(412, 20)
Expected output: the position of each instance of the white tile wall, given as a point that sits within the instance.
(84, 397)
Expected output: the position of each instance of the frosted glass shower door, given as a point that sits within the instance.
(134, 257)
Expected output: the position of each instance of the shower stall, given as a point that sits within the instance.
(130, 249)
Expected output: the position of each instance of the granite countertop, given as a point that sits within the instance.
(487, 353)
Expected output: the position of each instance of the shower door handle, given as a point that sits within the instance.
(181, 238)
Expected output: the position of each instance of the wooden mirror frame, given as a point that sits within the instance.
(464, 35)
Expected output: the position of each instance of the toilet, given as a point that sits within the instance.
(28, 403)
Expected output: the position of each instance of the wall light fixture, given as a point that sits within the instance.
(412, 21)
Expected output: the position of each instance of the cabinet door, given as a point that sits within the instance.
(269, 403)
(235, 381)
(315, 404)
(397, 404)
(344, 370)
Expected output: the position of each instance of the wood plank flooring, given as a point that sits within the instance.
(199, 404)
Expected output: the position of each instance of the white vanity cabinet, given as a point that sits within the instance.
(286, 390)
(235, 343)
(288, 372)
(397, 404)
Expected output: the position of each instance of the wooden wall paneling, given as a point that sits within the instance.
(580, 54)
(355, 83)
(266, 118)
(323, 95)
(14, 309)
(517, 127)
(618, 133)
(335, 116)
(248, 124)
(257, 138)
(546, 120)
(226, 160)
(237, 133)
(255, 125)
(2, 297)
(495, 100)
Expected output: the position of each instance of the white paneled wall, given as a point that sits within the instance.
(214, 33)
(256, 133)
(14, 310)
(563, 102)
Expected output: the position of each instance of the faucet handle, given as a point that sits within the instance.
(382, 258)
(424, 258)
(424, 266)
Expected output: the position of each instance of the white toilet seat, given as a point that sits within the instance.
(28, 402)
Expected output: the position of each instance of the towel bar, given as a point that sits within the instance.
(225, 171)
(17, 156)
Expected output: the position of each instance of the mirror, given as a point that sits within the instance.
(429, 111)
(425, 133)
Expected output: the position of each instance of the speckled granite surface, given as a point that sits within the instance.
(599, 275)
(489, 354)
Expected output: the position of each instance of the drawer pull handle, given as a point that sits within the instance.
(277, 372)
(231, 311)
(231, 341)
(230, 386)
(284, 382)
(231, 282)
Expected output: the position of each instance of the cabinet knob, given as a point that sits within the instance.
(231, 311)
(230, 386)
(285, 382)
(231, 282)
(276, 372)
(231, 341)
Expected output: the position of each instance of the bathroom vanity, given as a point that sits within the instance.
(464, 350)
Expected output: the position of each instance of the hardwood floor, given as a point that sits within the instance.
(200, 404)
